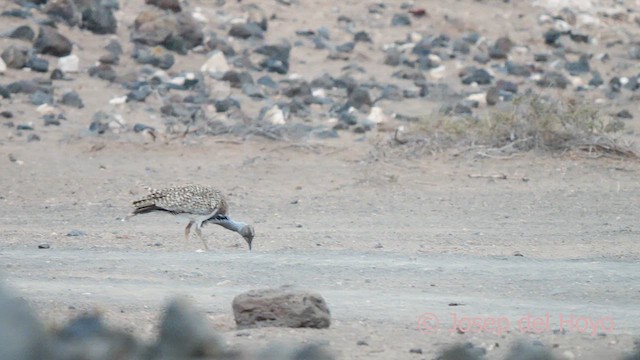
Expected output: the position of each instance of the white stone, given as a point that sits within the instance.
(3, 66)
(118, 100)
(215, 64)
(69, 64)
(199, 17)
(481, 98)
(275, 116)
(179, 80)
(376, 115)
(319, 93)
(46, 109)
(438, 72)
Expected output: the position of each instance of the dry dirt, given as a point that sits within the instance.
(385, 240)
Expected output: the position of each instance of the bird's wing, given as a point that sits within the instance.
(190, 199)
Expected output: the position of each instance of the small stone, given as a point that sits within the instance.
(518, 69)
(15, 57)
(274, 115)
(415, 351)
(173, 5)
(3, 66)
(493, 96)
(596, 79)
(156, 56)
(37, 64)
(40, 97)
(624, 114)
(103, 71)
(553, 79)
(76, 233)
(362, 343)
(33, 137)
(362, 36)
(23, 32)
(69, 64)
(44, 246)
(360, 98)
(551, 37)
(140, 94)
(578, 67)
(478, 76)
(217, 63)
(501, 48)
(246, 30)
(400, 20)
(72, 99)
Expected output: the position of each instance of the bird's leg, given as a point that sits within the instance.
(199, 233)
(187, 230)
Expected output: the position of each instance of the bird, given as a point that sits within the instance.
(201, 204)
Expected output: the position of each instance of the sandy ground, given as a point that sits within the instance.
(384, 239)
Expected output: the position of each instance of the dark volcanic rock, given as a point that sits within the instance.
(23, 32)
(72, 99)
(553, 79)
(500, 49)
(479, 76)
(281, 307)
(246, 30)
(360, 98)
(551, 37)
(596, 79)
(37, 64)
(173, 5)
(51, 42)
(400, 20)
(103, 71)
(518, 69)
(578, 67)
(362, 36)
(99, 20)
(140, 94)
(155, 56)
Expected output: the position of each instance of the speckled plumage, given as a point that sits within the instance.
(190, 199)
(202, 204)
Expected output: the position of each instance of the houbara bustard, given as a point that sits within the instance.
(201, 204)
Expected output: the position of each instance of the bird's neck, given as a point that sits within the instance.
(230, 224)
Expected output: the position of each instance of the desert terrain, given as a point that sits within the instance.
(392, 240)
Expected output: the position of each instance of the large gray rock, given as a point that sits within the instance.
(21, 335)
(284, 307)
(184, 334)
(88, 338)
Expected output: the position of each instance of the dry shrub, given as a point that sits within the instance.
(531, 123)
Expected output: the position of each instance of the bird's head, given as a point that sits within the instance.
(248, 233)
